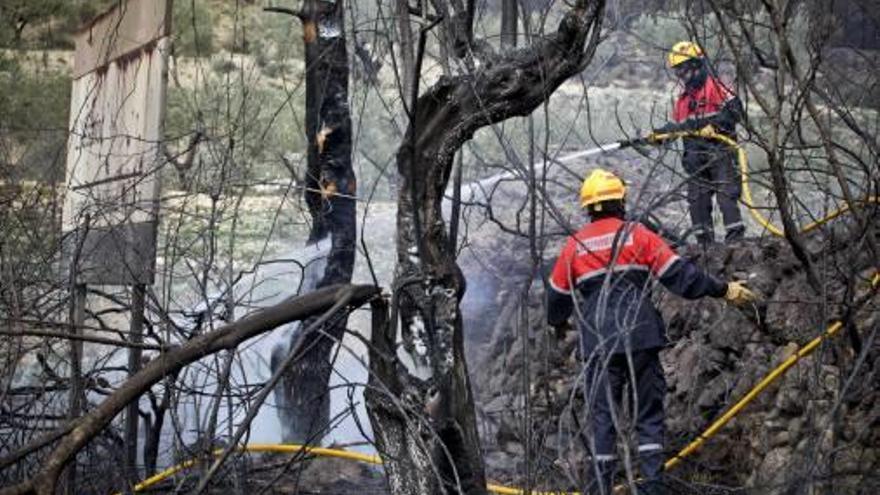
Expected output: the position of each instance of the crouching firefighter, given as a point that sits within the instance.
(710, 164)
(604, 273)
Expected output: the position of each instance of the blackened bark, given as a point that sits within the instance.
(406, 57)
(132, 414)
(330, 194)
(429, 411)
(153, 435)
(458, 27)
(509, 11)
(401, 433)
(328, 122)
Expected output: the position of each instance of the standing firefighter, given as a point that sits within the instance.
(605, 270)
(710, 164)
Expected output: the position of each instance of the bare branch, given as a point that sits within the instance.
(224, 338)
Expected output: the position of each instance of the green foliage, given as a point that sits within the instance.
(45, 23)
(193, 28)
(33, 121)
(50, 23)
(18, 17)
(237, 110)
(33, 137)
(85, 10)
(275, 39)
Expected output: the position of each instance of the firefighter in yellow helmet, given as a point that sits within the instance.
(605, 268)
(710, 165)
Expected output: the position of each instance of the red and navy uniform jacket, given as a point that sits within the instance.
(607, 268)
(711, 103)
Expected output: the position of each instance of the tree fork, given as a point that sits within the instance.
(434, 415)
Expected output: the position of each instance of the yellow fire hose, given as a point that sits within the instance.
(709, 132)
(757, 389)
(716, 426)
(312, 451)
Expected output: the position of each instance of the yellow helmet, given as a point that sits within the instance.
(600, 186)
(682, 52)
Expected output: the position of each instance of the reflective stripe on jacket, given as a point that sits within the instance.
(704, 102)
(712, 103)
(610, 263)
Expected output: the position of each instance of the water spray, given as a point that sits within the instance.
(477, 189)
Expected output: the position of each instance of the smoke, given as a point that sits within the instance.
(314, 256)
(297, 270)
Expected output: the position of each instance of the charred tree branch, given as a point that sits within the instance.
(434, 430)
(224, 338)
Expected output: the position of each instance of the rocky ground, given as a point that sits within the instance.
(317, 477)
(819, 422)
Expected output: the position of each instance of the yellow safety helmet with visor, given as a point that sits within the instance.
(683, 51)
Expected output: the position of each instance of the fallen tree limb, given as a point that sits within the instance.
(298, 351)
(224, 338)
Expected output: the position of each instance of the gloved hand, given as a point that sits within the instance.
(708, 130)
(661, 134)
(738, 293)
(656, 137)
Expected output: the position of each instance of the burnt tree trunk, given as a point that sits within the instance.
(509, 11)
(423, 416)
(458, 26)
(406, 58)
(302, 396)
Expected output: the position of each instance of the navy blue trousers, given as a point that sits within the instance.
(713, 172)
(606, 378)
